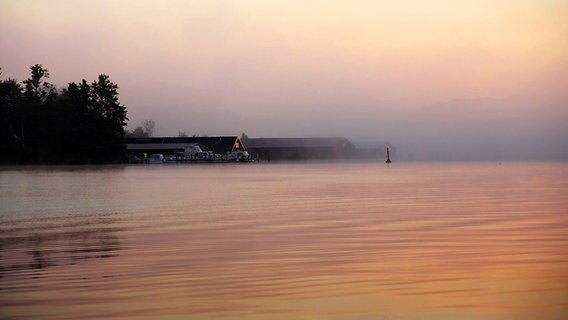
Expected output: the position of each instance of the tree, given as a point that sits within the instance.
(182, 134)
(84, 123)
(138, 132)
(77, 141)
(10, 100)
(10, 95)
(149, 126)
(105, 101)
(110, 120)
(35, 116)
(145, 130)
(36, 87)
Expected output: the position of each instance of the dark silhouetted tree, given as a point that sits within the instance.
(10, 123)
(84, 123)
(36, 87)
(36, 115)
(109, 119)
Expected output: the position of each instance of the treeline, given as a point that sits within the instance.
(82, 123)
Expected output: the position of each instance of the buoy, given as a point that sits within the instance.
(388, 156)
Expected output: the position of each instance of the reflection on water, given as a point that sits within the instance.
(42, 250)
(282, 241)
(43, 225)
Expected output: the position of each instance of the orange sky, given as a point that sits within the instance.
(294, 68)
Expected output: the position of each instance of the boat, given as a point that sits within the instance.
(156, 158)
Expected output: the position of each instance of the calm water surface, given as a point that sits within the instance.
(285, 241)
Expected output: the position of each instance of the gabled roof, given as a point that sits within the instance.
(216, 144)
(253, 143)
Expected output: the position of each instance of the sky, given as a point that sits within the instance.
(439, 79)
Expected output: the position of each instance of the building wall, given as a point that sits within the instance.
(301, 153)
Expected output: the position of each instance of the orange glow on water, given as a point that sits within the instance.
(435, 241)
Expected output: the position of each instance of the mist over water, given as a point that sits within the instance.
(445, 81)
(470, 221)
(285, 241)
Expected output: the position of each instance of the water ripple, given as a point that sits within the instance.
(342, 241)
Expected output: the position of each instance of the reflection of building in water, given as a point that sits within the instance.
(39, 247)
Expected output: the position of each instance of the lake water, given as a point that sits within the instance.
(285, 241)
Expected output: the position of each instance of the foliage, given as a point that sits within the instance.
(138, 132)
(36, 88)
(83, 123)
(143, 131)
(149, 126)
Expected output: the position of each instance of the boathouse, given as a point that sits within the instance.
(299, 148)
(170, 145)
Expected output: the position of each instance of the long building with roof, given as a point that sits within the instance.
(170, 145)
(299, 148)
